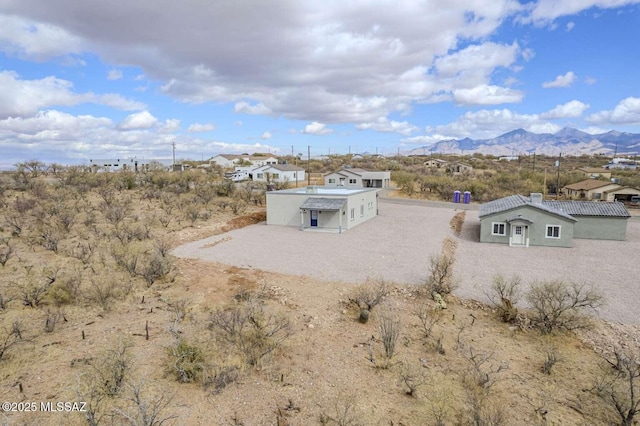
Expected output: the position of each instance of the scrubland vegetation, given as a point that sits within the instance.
(94, 308)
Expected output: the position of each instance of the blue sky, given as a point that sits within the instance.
(93, 80)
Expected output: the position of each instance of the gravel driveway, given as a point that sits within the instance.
(396, 246)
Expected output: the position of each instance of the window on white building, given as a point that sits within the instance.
(353, 214)
(352, 181)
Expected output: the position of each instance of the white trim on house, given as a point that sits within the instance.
(499, 225)
(552, 234)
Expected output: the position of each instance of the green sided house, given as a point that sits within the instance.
(322, 208)
(523, 221)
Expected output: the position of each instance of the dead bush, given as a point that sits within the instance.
(368, 295)
(10, 337)
(441, 280)
(620, 386)
(251, 330)
(389, 332)
(428, 317)
(7, 251)
(146, 406)
(552, 357)
(504, 295)
(457, 221)
(557, 305)
(411, 378)
(156, 267)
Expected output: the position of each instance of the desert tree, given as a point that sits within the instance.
(557, 305)
(7, 251)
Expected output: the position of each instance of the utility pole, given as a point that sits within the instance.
(173, 166)
(534, 162)
(558, 179)
(308, 165)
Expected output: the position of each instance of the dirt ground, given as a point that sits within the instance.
(332, 368)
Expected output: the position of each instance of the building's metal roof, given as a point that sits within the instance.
(323, 204)
(590, 208)
(514, 201)
(589, 184)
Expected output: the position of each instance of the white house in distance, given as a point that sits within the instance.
(349, 177)
(277, 173)
(230, 160)
(121, 164)
(322, 208)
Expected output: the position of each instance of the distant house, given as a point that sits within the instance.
(595, 172)
(230, 160)
(600, 190)
(435, 163)
(122, 164)
(358, 178)
(509, 158)
(277, 173)
(523, 221)
(459, 168)
(590, 189)
(322, 208)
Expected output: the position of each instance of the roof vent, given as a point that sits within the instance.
(536, 198)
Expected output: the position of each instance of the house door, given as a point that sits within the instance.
(314, 217)
(341, 181)
(518, 235)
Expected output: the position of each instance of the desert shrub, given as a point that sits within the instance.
(187, 361)
(7, 251)
(457, 221)
(251, 330)
(10, 337)
(428, 317)
(411, 378)
(552, 357)
(557, 305)
(368, 295)
(620, 386)
(113, 367)
(441, 280)
(504, 295)
(156, 267)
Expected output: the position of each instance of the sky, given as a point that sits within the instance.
(82, 80)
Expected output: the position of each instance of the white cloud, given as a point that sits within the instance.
(139, 77)
(626, 112)
(19, 98)
(238, 123)
(479, 59)
(590, 81)
(486, 95)
(565, 80)
(265, 136)
(318, 129)
(198, 127)
(247, 108)
(114, 75)
(138, 120)
(528, 54)
(571, 109)
(546, 11)
(570, 25)
(36, 41)
(385, 125)
(170, 125)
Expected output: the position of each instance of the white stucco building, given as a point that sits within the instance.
(358, 178)
(322, 208)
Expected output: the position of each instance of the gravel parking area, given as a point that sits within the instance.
(396, 246)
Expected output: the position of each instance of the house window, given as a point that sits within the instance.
(332, 181)
(361, 210)
(276, 175)
(553, 231)
(352, 181)
(260, 175)
(353, 214)
(597, 195)
(498, 228)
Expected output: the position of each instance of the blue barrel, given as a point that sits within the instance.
(456, 196)
(466, 198)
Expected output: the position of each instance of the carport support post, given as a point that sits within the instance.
(301, 220)
(340, 221)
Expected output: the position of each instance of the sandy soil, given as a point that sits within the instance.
(396, 246)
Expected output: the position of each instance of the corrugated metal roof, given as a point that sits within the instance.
(323, 203)
(590, 208)
(589, 184)
(514, 201)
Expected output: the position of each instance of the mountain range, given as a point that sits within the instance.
(567, 141)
